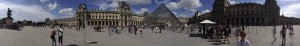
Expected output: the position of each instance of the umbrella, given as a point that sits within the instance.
(207, 22)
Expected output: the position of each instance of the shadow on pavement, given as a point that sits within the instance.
(93, 43)
(194, 35)
(197, 35)
(216, 43)
(73, 45)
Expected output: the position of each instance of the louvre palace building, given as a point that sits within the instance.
(247, 14)
(122, 16)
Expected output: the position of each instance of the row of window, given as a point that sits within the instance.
(108, 23)
(252, 12)
(246, 20)
(245, 7)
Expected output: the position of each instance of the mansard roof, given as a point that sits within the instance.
(247, 4)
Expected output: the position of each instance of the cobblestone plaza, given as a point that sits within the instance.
(39, 36)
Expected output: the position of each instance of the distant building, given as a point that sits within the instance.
(289, 20)
(184, 20)
(198, 17)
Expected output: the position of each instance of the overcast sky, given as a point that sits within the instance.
(38, 10)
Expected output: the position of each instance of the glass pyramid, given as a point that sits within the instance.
(162, 15)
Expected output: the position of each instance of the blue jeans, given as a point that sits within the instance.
(53, 41)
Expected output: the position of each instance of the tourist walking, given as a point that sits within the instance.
(160, 27)
(274, 32)
(243, 41)
(192, 30)
(283, 34)
(218, 32)
(52, 36)
(156, 28)
(129, 29)
(116, 29)
(243, 28)
(100, 28)
(204, 30)
(210, 32)
(229, 30)
(135, 30)
(60, 35)
(291, 29)
(95, 28)
(109, 30)
(237, 32)
(152, 28)
(199, 31)
(182, 28)
(226, 32)
(141, 30)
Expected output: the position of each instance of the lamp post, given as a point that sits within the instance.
(83, 16)
(87, 17)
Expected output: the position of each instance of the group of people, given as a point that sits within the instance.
(157, 28)
(219, 32)
(135, 29)
(98, 29)
(54, 32)
(115, 29)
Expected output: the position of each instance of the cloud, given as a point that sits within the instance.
(291, 10)
(28, 12)
(232, 1)
(158, 2)
(205, 11)
(173, 5)
(174, 13)
(43, 1)
(190, 4)
(104, 5)
(68, 12)
(136, 2)
(141, 11)
(52, 6)
(192, 10)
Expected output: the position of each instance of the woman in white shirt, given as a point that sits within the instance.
(243, 41)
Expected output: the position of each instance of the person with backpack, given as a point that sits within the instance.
(52, 36)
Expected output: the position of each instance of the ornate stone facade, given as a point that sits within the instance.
(245, 13)
(122, 16)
